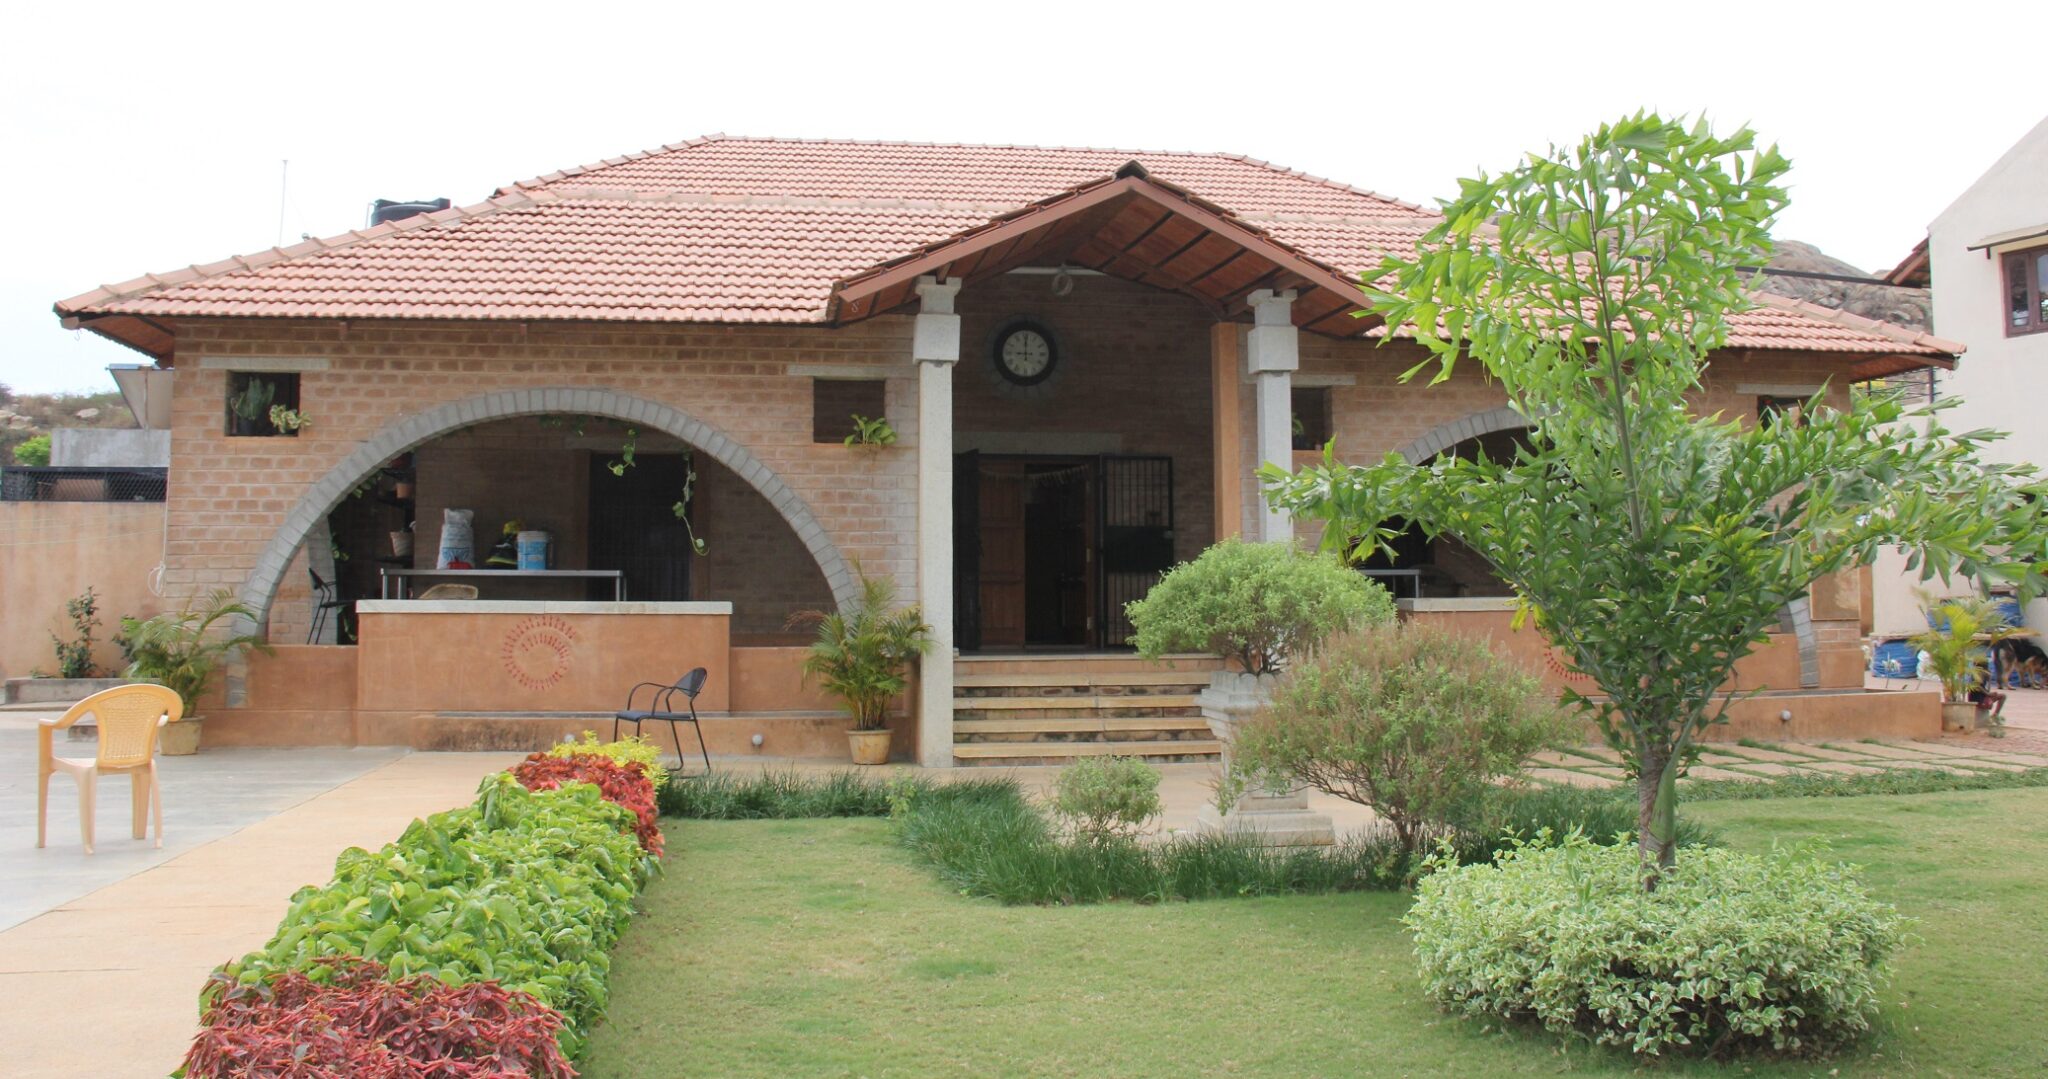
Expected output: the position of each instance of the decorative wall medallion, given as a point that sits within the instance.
(538, 651)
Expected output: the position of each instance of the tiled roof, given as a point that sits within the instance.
(756, 230)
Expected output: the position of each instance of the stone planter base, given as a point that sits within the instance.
(1274, 819)
(57, 690)
(180, 739)
(1959, 717)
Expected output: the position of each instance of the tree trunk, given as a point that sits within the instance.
(1656, 816)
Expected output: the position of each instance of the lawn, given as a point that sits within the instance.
(819, 947)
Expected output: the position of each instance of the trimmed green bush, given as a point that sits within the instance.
(1104, 799)
(1410, 720)
(526, 889)
(1257, 603)
(1730, 953)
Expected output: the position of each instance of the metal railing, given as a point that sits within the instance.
(50, 483)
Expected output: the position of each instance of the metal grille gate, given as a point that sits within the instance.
(1134, 539)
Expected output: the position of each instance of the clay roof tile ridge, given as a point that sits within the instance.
(1850, 320)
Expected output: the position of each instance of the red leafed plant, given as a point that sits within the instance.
(621, 783)
(361, 1026)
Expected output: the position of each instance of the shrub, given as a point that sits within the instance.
(527, 889)
(633, 750)
(181, 650)
(33, 452)
(988, 842)
(1730, 952)
(1257, 603)
(1107, 798)
(862, 653)
(1496, 818)
(621, 784)
(74, 657)
(353, 1024)
(1409, 720)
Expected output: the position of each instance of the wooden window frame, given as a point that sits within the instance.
(2026, 262)
(287, 392)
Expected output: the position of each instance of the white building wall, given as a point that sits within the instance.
(2002, 381)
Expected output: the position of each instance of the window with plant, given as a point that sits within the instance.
(263, 404)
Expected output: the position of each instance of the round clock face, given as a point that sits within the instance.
(1025, 355)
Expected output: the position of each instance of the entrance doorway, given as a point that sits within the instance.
(1048, 549)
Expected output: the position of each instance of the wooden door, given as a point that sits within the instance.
(1001, 528)
(967, 551)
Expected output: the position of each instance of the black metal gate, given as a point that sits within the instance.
(1134, 536)
(967, 551)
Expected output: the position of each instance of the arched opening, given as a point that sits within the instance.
(1421, 566)
(542, 454)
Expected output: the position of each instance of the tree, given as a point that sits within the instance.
(1655, 547)
(34, 453)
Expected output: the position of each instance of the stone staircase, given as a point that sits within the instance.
(1052, 708)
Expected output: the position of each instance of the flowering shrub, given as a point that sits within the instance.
(633, 749)
(1731, 952)
(621, 783)
(354, 1024)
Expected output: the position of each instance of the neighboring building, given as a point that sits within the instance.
(1085, 354)
(1986, 257)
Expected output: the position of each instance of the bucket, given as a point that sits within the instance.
(533, 550)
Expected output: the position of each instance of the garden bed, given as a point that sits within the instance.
(807, 947)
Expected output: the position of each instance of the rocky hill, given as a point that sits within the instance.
(1908, 307)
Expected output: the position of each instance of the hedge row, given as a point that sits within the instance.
(523, 893)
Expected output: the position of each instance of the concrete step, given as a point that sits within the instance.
(1070, 663)
(1079, 724)
(1028, 753)
(1081, 679)
(1076, 703)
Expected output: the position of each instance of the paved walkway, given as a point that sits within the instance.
(106, 983)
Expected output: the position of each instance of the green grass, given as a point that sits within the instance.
(823, 947)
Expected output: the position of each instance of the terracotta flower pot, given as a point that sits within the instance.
(180, 739)
(868, 747)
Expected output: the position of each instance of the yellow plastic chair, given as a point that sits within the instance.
(128, 718)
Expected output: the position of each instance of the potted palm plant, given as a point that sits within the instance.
(182, 650)
(1958, 643)
(862, 655)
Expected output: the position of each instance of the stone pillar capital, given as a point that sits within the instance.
(935, 297)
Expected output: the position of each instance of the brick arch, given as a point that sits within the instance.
(259, 590)
(1796, 617)
(1444, 436)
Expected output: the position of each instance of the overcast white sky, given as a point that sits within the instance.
(146, 137)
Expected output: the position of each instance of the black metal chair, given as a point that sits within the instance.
(324, 601)
(661, 705)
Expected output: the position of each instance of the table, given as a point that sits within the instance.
(401, 579)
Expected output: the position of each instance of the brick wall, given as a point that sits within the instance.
(1132, 377)
(229, 496)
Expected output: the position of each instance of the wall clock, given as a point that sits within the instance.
(1025, 353)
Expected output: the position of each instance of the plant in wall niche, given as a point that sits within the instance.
(871, 434)
(1655, 547)
(74, 657)
(862, 655)
(251, 405)
(288, 419)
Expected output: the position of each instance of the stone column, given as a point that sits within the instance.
(935, 348)
(1272, 353)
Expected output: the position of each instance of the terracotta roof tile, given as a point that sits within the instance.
(755, 230)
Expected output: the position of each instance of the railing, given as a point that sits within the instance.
(70, 484)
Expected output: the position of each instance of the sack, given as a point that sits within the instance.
(458, 538)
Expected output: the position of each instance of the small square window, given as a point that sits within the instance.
(835, 402)
(1312, 423)
(254, 401)
(1771, 410)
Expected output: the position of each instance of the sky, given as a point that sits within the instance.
(148, 137)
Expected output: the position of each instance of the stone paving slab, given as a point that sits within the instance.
(1566, 778)
(1779, 756)
(1897, 751)
(1844, 768)
(148, 941)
